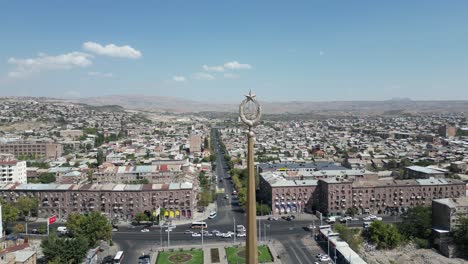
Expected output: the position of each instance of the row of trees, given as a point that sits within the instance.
(85, 231)
(23, 207)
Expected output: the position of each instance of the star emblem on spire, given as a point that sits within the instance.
(250, 96)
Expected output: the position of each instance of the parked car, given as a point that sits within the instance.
(196, 235)
(188, 232)
(325, 258)
(144, 230)
(241, 234)
(273, 218)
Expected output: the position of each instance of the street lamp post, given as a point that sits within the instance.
(250, 113)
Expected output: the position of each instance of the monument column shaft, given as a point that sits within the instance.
(251, 242)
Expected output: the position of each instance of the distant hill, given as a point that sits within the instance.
(178, 105)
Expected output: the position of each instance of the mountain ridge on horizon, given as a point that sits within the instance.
(181, 105)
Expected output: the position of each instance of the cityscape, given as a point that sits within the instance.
(164, 133)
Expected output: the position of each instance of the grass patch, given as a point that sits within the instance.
(180, 257)
(237, 254)
(214, 255)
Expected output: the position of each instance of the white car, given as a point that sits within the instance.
(196, 235)
(168, 230)
(241, 235)
(212, 215)
(325, 258)
(378, 218)
(188, 232)
(227, 235)
(372, 216)
(355, 219)
(367, 218)
(144, 230)
(219, 234)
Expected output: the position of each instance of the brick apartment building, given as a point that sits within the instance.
(40, 149)
(116, 201)
(334, 196)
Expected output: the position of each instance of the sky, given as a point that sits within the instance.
(321, 50)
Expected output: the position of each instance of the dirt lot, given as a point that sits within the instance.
(408, 254)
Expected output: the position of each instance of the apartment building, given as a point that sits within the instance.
(41, 149)
(446, 213)
(385, 196)
(116, 201)
(161, 173)
(12, 170)
(285, 195)
(334, 196)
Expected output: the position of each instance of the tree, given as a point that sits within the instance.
(26, 205)
(460, 236)
(100, 157)
(9, 213)
(19, 228)
(47, 177)
(263, 209)
(141, 216)
(352, 211)
(416, 222)
(351, 236)
(93, 226)
(206, 144)
(64, 250)
(386, 236)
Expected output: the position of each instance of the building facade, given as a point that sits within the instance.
(12, 170)
(39, 149)
(116, 201)
(446, 213)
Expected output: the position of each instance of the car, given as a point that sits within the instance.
(310, 227)
(145, 259)
(215, 231)
(378, 218)
(372, 216)
(34, 231)
(227, 235)
(167, 230)
(319, 255)
(272, 218)
(188, 232)
(172, 226)
(354, 219)
(196, 235)
(115, 229)
(208, 234)
(144, 230)
(292, 217)
(367, 218)
(241, 234)
(325, 258)
(226, 197)
(212, 215)
(219, 234)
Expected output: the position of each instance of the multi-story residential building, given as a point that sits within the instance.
(446, 213)
(385, 196)
(12, 170)
(116, 201)
(335, 195)
(41, 149)
(287, 196)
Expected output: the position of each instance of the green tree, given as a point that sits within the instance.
(351, 236)
(416, 222)
(26, 205)
(47, 177)
(93, 226)
(19, 228)
(141, 216)
(64, 250)
(263, 209)
(460, 236)
(352, 211)
(386, 236)
(9, 213)
(206, 144)
(100, 157)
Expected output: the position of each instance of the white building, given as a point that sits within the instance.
(12, 170)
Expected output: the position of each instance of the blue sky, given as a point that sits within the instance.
(320, 50)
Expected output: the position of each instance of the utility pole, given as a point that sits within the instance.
(250, 113)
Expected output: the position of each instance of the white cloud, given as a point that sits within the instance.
(322, 53)
(213, 68)
(203, 76)
(231, 75)
(44, 62)
(179, 78)
(101, 74)
(112, 50)
(235, 65)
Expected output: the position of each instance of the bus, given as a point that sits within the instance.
(199, 225)
(118, 257)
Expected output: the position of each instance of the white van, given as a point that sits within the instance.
(62, 230)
